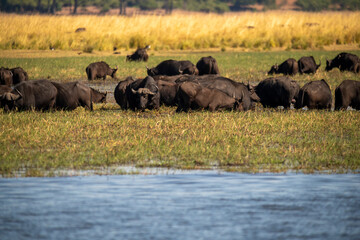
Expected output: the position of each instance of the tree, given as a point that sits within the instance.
(75, 6)
(123, 4)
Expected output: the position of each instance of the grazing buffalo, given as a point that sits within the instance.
(345, 62)
(173, 67)
(100, 70)
(19, 75)
(38, 95)
(168, 92)
(120, 92)
(279, 91)
(6, 76)
(288, 67)
(207, 65)
(72, 95)
(97, 96)
(192, 95)
(308, 65)
(314, 95)
(347, 94)
(143, 94)
(139, 55)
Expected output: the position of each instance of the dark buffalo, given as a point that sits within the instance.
(6, 76)
(207, 65)
(314, 95)
(100, 70)
(139, 55)
(168, 92)
(308, 65)
(38, 95)
(288, 67)
(345, 62)
(143, 94)
(279, 91)
(173, 67)
(19, 75)
(72, 95)
(120, 92)
(97, 96)
(347, 94)
(237, 90)
(195, 96)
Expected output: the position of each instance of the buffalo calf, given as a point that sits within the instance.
(288, 67)
(207, 65)
(100, 70)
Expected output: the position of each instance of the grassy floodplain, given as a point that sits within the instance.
(39, 144)
(262, 30)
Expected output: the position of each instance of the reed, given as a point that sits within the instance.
(264, 30)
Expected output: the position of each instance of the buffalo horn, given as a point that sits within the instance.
(133, 91)
(18, 92)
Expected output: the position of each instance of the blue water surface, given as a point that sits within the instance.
(201, 205)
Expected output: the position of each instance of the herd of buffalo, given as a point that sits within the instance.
(187, 86)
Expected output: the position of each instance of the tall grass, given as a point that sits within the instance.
(265, 30)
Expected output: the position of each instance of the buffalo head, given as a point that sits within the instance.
(113, 72)
(8, 99)
(328, 65)
(142, 97)
(152, 71)
(274, 69)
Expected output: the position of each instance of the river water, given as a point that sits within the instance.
(195, 205)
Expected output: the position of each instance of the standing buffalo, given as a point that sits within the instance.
(207, 65)
(143, 94)
(38, 95)
(345, 62)
(173, 67)
(308, 65)
(72, 95)
(347, 94)
(100, 70)
(193, 95)
(314, 95)
(139, 55)
(6, 76)
(288, 67)
(120, 92)
(279, 91)
(19, 75)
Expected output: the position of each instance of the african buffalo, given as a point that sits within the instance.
(143, 94)
(347, 94)
(278, 91)
(207, 65)
(173, 67)
(139, 55)
(71, 95)
(100, 70)
(195, 96)
(288, 67)
(314, 95)
(38, 95)
(345, 62)
(241, 92)
(120, 92)
(6, 76)
(308, 65)
(19, 75)
(97, 96)
(168, 92)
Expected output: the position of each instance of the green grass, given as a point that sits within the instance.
(40, 143)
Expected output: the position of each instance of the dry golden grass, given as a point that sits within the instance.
(264, 30)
